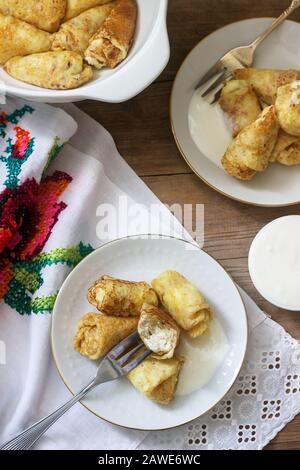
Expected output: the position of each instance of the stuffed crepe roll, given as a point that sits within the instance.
(44, 14)
(288, 108)
(121, 298)
(157, 379)
(158, 331)
(240, 104)
(97, 334)
(287, 149)
(251, 150)
(75, 7)
(18, 38)
(266, 82)
(74, 34)
(59, 70)
(110, 45)
(184, 302)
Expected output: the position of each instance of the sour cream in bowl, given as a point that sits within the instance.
(274, 262)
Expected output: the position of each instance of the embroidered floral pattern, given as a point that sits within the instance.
(28, 214)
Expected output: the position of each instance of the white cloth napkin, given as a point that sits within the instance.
(29, 383)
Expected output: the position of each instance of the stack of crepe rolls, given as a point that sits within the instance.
(125, 306)
(84, 33)
(120, 303)
(263, 107)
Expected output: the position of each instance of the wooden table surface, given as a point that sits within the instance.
(141, 129)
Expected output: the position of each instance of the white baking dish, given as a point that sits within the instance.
(146, 60)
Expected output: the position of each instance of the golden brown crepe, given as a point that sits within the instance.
(158, 331)
(120, 298)
(74, 34)
(20, 38)
(288, 108)
(251, 150)
(55, 70)
(97, 334)
(44, 14)
(157, 379)
(287, 149)
(266, 82)
(184, 302)
(240, 103)
(75, 7)
(110, 45)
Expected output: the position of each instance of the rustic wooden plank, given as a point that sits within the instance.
(141, 129)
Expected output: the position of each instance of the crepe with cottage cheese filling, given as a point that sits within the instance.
(266, 81)
(60, 70)
(97, 334)
(75, 7)
(158, 331)
(251, 150)
(20, 38)
(44, 14)
(157, 379)
(240, 103)
(119, 297)
(288, 108)
(287, 149)
(110, 45)
(74, 34)
(184, 302)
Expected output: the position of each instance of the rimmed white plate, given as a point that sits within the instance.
(136, 258)
(279, 185)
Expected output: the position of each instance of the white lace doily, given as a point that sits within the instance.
(264, 398)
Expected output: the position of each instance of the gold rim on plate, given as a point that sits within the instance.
(235, 375)
(177, 141)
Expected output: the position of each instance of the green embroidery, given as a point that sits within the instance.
(28, 278)
(18, 297)
(54, 151)
(32, 280)
(43, 304)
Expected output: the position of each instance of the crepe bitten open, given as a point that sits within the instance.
(158, 331)
(74, 34)
(110, 45)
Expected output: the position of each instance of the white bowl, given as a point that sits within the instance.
(146, 60)
(273, 262)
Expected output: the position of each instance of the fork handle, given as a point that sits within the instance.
(27, 438)
(295, 4)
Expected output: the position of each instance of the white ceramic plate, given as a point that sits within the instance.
(142, 259)
(279, 185)
(146, 60)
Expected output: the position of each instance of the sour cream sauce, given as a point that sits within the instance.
(210, 128)
(274, 262)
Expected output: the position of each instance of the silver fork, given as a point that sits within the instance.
(124, 357)
(240, 57)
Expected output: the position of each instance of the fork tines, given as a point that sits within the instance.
(129, 353)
